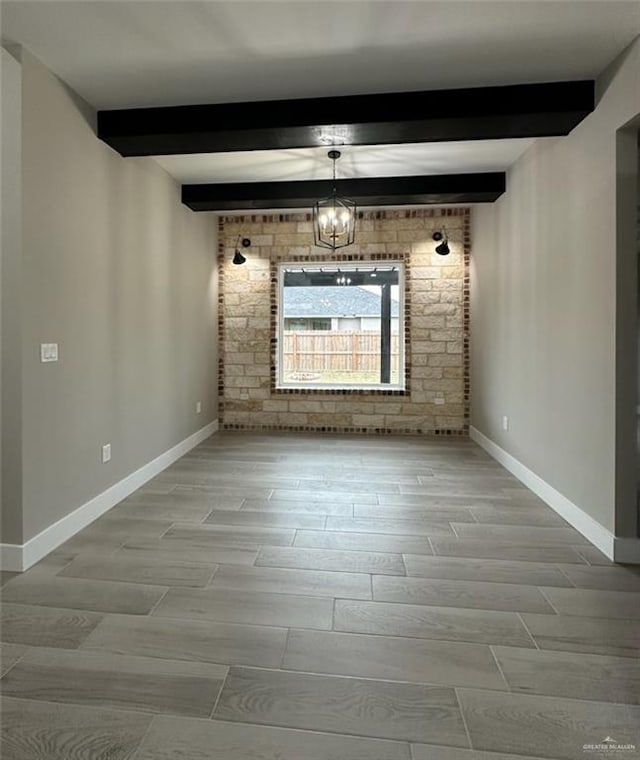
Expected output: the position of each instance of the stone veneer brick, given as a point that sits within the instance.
(436, 397)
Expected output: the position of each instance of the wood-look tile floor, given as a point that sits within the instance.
(298, 597)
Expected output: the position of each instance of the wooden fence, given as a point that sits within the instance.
(335, 351)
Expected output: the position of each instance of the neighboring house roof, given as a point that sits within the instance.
(333, 301)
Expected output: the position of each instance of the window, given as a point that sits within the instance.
(293, 323)
(341, 326)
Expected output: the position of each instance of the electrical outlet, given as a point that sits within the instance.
(198, 407)
(505, 422)
(48, 352)
(106, 453)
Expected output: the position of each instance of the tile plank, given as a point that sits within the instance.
(170, 738)
(37, 730)
(583, 634)
(230, 535)
(199, 549)
(288, 581)
(151, 510)
(81, 594)
(589, 603)
(179, 498)
(525, 550)
(492, 570)
(374, 542)
(337, 485)
(114, 681)
(6, 576)
(331, 559)
(221, 643)
(460, 489)
(82, 543)
(46, 626)
(225, 494)
(510, 515)
(329, 497)
(266, 519)
(436, 514)
(213, 500)
(619, 578)
(391, 658)
(555, 728)
(9, 655)
(431, 752)
(390, 526)
(151, 488)
(541, 536)
(301, 507)
(369, 708)
(141, 567)
(111, 527)
(440, 500)
(594, 556)
(255, 608)
(444, 623)
(473, 594)
(571, 674)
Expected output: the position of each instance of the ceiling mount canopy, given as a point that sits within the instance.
(334, 218)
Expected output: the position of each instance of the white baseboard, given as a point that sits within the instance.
(615, 548)
(16, 557)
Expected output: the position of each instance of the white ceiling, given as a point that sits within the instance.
(356, 161)
(169, 52)
(124, 54)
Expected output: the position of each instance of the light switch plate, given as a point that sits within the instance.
(106, 453)
(48, 352)
(198, 407)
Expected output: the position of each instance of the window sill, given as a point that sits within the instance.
(359, 390)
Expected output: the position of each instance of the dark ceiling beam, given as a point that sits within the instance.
(306, 279)
(480, 113)
(378, 191)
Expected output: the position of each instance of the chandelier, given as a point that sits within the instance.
(334, 218)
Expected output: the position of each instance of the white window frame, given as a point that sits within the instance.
(344, 267)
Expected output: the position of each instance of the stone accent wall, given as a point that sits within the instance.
(436, 399)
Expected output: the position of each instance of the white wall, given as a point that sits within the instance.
(123, 277)
(544, 305)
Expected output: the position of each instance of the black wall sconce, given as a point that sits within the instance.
(443, 248)
(238, 258)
